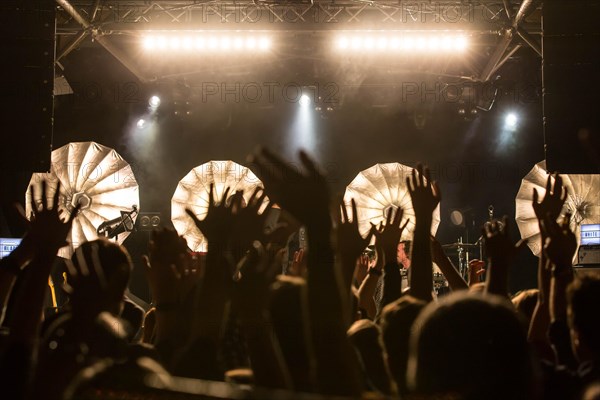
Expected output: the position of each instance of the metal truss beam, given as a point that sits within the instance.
(100, 19)
(327, 14)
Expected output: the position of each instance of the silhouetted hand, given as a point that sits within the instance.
(388, 235)
(169, 266)
(303, 193)
(497, 241)
(561, 243)
(251, 292)
(424, 193)
(437, 251)
(501, 251)
(47, 229)
(350, 242)
(553, 200)
(476, 269)
(249, 221)
(217, 224)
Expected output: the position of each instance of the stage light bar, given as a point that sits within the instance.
(213, 42)
(406, 42)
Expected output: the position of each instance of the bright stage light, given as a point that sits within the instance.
(149, 43)
(174, 43)
(432, 43)
(187, 43)
(264, 43)
(207, 41)
(304, 100)
(460, 43)
(141, 124)
(238, 43)
(161, 42)
(343, 43)
(154, 101)
(510, 121)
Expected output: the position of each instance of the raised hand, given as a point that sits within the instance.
(388, 235)
(501, 251)
(424, 193)
(304, 194)
(476, 269)
(561, 243)
(298, 266)
(217, 224)
(248, 221)
(425, 196)
(350, 242)
(498, 244)
(251, 292)
(553, 200)
(169, 267)
(47, 229)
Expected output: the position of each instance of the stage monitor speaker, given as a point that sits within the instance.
(571, 85)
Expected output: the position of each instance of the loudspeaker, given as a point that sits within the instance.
(571, 85)
(28, 29)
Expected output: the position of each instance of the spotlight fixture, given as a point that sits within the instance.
(154, 102)
(304, 100)
(510, 121)
(141, 124)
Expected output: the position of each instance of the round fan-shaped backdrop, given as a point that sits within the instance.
(193, 193)
(583, 202)
(380, 188)
(94, 176)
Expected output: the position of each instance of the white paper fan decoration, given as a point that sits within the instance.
(379, 189)
(93, 175)
(193, 193)
(583, 202)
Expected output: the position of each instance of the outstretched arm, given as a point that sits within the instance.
(250, 303)
(425, 196)
(388, 238)
(560, 246)
(350, 243)
(549, 206)
(305, 195)
(501, 252)
(47, 234)
(455, 281)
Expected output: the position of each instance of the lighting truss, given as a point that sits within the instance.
(498, 20)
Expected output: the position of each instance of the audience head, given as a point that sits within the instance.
(103, 270)
(288, 312)
(364, 335)
(396, 323)
(525, 301)
(472, 347)
(583, 298)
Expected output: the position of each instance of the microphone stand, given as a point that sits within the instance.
(113, 228)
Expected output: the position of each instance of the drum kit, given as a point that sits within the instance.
(464, 252)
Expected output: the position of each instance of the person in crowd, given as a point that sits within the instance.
(323, 330)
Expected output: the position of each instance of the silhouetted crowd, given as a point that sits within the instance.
(338, 323)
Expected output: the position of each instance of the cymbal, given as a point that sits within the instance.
(460, 245)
